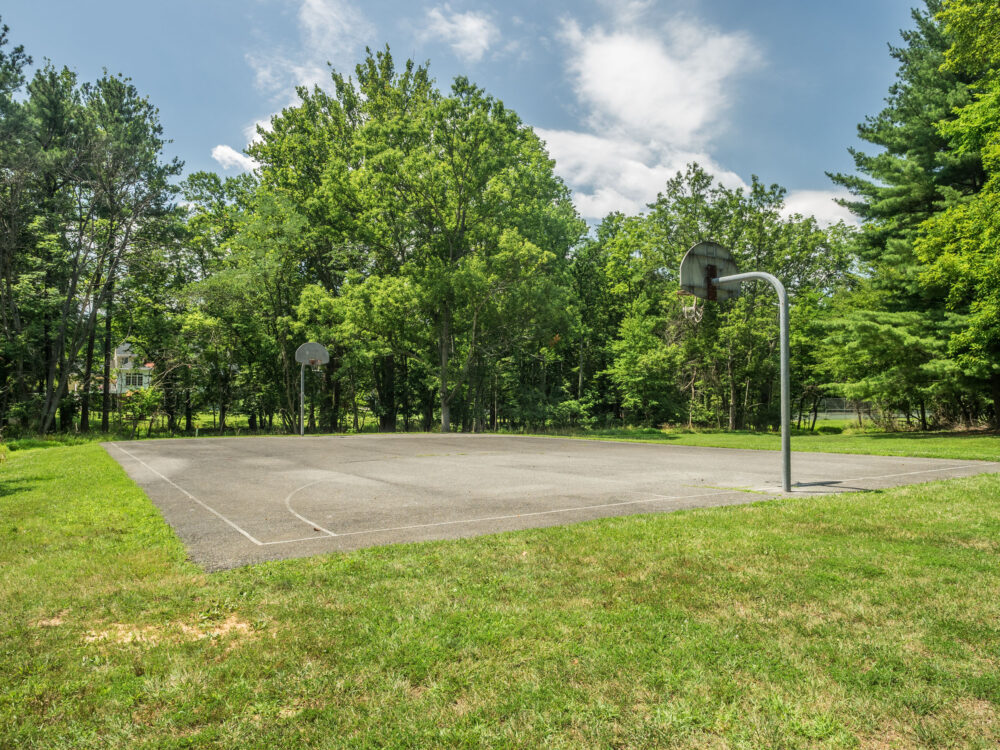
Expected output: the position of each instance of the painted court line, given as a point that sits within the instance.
(291, 510)
(654, 499)
(209, 508)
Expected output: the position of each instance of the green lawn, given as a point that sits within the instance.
(865, 620)
(960, 445)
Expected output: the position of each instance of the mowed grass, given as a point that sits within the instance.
(983, 446)
(858, 620)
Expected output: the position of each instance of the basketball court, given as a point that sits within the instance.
(235, 501)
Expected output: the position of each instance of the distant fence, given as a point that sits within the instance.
(840, 408)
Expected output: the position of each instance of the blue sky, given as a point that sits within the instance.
(624, 93)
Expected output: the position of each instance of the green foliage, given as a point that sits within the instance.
(926, 332)
(423, 236)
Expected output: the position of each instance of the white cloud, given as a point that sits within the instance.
(673, 86)
(331, 31)
(332, 26)
(250, 131)
(230, 158)
(653, 98)
(610, 173)
(469, 34)
(625, 12)
(821, 204)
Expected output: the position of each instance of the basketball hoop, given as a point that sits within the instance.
(315, 355)
(709, 272)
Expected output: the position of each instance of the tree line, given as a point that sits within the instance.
(424, 237)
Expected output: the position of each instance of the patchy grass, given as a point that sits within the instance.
(961, 445)
(865, 620)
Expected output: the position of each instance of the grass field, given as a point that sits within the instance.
(865, 620)
(961, 445)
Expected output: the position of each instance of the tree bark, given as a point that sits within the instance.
(88, 365)
(106, 400)
(385, 384)
(444, 341)
(995, 388)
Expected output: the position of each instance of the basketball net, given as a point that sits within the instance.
(690, 307)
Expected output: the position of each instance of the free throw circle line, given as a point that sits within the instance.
(288, 506)
(482, 519)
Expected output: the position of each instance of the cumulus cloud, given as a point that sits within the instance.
(674, 87)
(653, 97)
(329, 31)
(230, 158)
(469, 34)
(821, 204)
(618, 173)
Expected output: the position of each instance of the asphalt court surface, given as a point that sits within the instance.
(235, 501)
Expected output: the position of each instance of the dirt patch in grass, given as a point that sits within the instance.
(887, 739)
(52, 622)
(152, 635)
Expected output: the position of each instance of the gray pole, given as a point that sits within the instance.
(786, 440)
(302, 399)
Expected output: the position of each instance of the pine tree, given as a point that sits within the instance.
(915, 172)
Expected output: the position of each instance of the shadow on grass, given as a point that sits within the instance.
(8, 488)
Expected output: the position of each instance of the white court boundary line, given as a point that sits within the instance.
(207, 507)
(330, 534)
(288, 505)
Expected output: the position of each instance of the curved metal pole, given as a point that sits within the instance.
(302, 400)
(786, 442)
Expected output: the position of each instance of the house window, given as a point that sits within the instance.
(133, 379)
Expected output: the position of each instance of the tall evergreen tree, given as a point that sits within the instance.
(914, 173)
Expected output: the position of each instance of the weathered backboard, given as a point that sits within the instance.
(704, 262)
(312, 353)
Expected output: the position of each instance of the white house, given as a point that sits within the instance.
(128, 373)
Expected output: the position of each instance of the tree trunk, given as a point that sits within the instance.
(169, 381)
(385, 384)
(335, 424)
(406, 394)
(106, 400)
(428, 420)
(223, 403)
(995, 388)
(444, 341)
(966, 416)
(88, 366)
(354, 404)
(732, 404)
